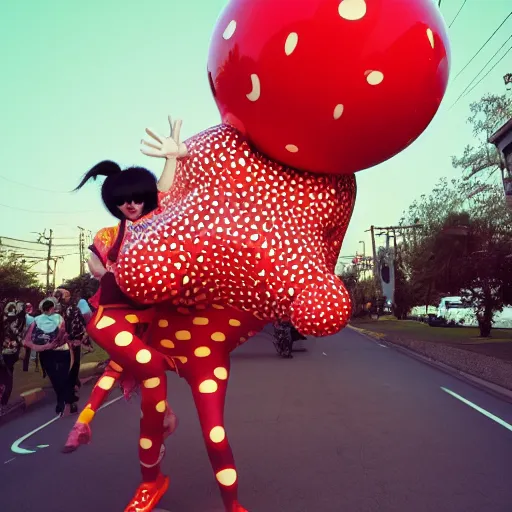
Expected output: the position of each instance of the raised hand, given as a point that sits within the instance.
(165, 147)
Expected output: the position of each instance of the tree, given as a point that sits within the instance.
(426, 252)
(361, 291)
(487, 115)
(84, 286)
(463, 248)
(485, 271)
(406, 295)
(16, 278)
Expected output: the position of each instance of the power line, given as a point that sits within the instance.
(17, 240)
(22, 248)
(479, 81)
(483, 46)
(69, 212)
(458, 12)
(478, 74)
(40, 258)
(31, 249)
(35, 187)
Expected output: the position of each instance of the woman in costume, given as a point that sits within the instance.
(129, 195)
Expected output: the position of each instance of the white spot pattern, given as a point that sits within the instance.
(281, 232)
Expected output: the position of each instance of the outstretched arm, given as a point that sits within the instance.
(169, 148)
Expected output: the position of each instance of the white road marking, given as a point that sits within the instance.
(10, 460)
(16, 446)
(489, 415)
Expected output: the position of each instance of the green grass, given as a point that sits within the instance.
(25, 381)
(423, 332)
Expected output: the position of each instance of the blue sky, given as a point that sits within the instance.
(81, 81)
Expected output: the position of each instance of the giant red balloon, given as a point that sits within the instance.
(329, 86)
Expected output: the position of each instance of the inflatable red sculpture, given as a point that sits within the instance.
(310, 92)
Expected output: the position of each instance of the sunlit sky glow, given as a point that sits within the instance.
(81, 81)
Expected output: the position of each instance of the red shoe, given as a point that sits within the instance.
(148, 495)
(238, 508)
(80, 434)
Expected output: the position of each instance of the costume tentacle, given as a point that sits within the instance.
(153, 409)
(209, 397)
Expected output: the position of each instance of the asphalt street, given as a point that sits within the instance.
(348, 426)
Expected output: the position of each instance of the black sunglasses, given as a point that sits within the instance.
(132, 199)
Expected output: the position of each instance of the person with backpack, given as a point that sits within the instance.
(47, 335)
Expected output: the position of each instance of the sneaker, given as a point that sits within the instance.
(148, 495)
(73, 408)
(59, 409)
(80, 434)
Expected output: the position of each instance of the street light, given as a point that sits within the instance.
(364, 247)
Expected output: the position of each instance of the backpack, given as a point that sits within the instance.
(39, 337)
(75, 323)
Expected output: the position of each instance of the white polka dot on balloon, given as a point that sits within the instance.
(338, 111)
(230, 30)
(291, 43)
(352, 10)
(374, 77)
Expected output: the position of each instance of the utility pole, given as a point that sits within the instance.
(47, 240)
(48, 267)
(81, 249)
(55, 260)
(374, 252)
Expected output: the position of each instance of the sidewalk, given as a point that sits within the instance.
(30, 388)
(461, 348)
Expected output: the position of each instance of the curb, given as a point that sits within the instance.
(490, 387)
(33, 397)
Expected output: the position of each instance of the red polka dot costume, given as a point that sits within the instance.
(114, 328)
(238, 241)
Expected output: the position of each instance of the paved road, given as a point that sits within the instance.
(349, 426)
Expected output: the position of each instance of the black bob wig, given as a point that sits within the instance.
(134, 183)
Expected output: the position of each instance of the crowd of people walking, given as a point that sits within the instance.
(52, 336)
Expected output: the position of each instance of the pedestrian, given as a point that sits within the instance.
(75, 325)
(283, 340)
(13, 329)
(29, 355)
(47, 335)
